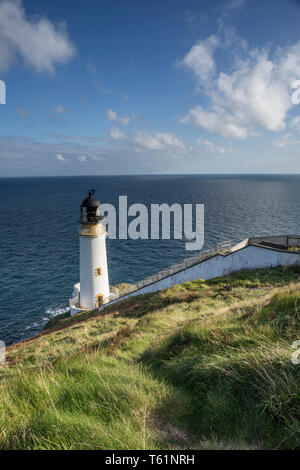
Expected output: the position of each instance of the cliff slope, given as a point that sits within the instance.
(203, 365)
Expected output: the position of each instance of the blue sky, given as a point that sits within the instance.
(115, 87)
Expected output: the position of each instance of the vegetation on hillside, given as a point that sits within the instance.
(205, 364)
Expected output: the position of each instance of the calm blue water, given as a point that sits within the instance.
(39, 256)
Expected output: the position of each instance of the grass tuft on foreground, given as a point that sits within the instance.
(202, 365)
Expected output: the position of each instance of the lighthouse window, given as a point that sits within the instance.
(99, 300)
(98, 272)
(83, 215)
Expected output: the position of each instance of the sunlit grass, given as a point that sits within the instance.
(200, 365)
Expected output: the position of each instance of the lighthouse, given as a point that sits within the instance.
(93, 290)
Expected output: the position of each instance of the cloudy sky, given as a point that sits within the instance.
(136, 87)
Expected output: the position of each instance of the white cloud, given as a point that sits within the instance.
(295, 123)
(37, 41)
(148, 141)
(280, 143)
(82, 158)
(60, 109)
(286, 140)
(60, 158)
(170, 140)
(116, 134)
(7, 56)
(97, 158)
(212, 147)
(254, 95)
(200, 58)
(232, 5)
(112, 116)
(158, 141)
(217, 121)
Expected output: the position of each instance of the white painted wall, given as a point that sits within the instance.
(92, 256)
(250, 257)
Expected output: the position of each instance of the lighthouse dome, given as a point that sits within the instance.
(90, 210)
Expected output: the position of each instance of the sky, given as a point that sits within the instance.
(134, 87)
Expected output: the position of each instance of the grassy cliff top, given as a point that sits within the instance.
(202, 365)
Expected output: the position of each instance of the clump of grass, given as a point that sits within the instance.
(123, 286)
(270, 277)
(283, 313)
(56, 321)
(86, 402)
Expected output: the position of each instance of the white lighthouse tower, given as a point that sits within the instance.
(93, 290)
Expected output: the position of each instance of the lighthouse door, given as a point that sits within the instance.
(99, 300)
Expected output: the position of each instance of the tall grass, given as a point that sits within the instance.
(196, 366)
(86, 402)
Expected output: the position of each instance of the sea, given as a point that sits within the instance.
(39, 243)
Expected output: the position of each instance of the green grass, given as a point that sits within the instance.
(202, 365)
(124, 286)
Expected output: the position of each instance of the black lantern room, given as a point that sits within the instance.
(90, 210)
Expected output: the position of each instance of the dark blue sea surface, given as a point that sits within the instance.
(39, 246)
